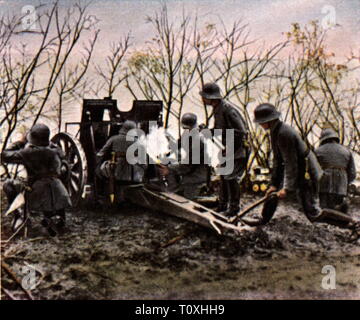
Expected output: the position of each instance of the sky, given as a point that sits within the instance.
(266, 19)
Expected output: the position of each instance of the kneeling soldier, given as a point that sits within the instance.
(190, 174)
(339, 171)
(118, 168)
(44, 190)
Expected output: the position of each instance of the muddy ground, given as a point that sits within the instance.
(118, 254)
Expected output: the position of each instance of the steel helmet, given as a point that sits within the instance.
(327, 134)
(189, 120)
(266, 112)
(211, 91)
(127, 126)
(39, 135)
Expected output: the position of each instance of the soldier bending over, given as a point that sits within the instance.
(296, 171)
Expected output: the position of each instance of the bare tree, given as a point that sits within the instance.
(115, 73)
(25, 95)
(317, 86)
(165, 69)
(238, 66)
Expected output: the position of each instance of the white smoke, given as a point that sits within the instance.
(156, 143)
(213, 149)
(158, 147)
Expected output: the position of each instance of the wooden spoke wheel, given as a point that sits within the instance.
(76, 173)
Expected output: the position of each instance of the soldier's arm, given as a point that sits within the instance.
(106, 149)
(351, 169)
(287, 145)
(277, 174)
(12, 156)
(18, 145)
(236, 121)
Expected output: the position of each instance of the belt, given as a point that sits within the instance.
(334, 167)
(120, 154)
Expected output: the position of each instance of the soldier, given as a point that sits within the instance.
(296, 171)
(339, 171)
(119, 144)
(192, 174)
(228, 117)
(45, 191)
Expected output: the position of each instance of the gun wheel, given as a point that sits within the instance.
(77, 170)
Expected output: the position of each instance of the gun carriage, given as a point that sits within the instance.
(101, 119)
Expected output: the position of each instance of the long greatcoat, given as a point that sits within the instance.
(119, 144)
(226, 116)
(43, 167)
(290, 153)
(339, 168)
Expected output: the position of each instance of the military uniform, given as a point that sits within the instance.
(339, 170)
(42, 161)
(119, 144)
(227, 117)
(295, 168)
(295, 171)
(193, 175)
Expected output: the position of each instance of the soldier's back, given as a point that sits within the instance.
(333, 155)
(41, 160)
(120, 143)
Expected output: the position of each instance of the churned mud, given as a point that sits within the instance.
(132, 253)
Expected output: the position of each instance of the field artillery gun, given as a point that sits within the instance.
(101, 119)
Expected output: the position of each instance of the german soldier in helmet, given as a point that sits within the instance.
(118, 144)
(45, 191)
(227, 116)
(190, 175)
(339, 170)
(296, 171)
(189, 121)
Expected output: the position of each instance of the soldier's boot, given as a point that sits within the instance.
(18, 220)
(232, 211)
(343, 207)
(335, 218)
(223, 196)
(48, 224)
(61, 219)
(222, 207)
(234, 207)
